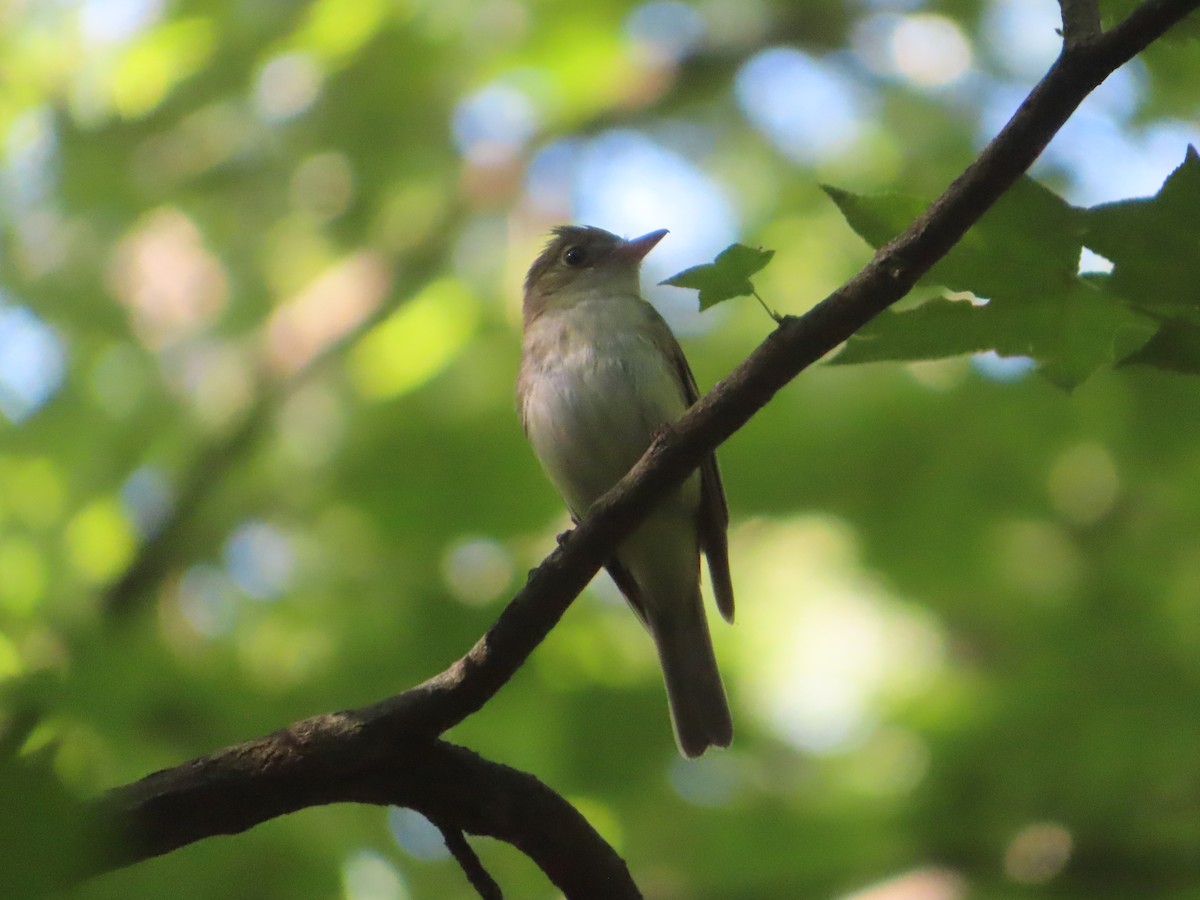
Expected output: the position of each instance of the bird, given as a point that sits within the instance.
(601, 375)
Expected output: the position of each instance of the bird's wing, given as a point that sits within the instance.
(713, 518)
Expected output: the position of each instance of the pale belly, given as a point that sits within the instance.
(592, 412)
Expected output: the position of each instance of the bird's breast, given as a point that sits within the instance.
(595, 397)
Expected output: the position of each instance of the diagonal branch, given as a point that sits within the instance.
(389, 752)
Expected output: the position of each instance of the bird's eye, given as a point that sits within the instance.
(574, 257)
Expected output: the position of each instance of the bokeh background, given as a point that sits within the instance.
(259, 323)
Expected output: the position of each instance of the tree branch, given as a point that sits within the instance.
(389, 753)
(333, 759)
(1080, 22)
(470, 863)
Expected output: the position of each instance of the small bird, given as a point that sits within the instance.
(601, 374)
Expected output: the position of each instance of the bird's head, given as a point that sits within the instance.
(582, 261)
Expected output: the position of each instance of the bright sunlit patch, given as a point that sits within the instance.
(415, 342)
(831, 643)
(810, 109)
(630, 184)
(1109, 162)
(1083, 484)
(116, 21)
(100, 540)
(1024, 35)
(494, 123)
(167, 279)
(477, 570)
(1038, 853)
(930, 51)
(919, 884)
(368, 875)
(994, 367)
(1091, 263)
(1122, 95)
(416, 834)
(32, 362)
(157, 62)
(261, 560)
(328, 308)
(286, 87)
(1105, 156)
(333, 30)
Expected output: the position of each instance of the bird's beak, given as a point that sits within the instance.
(636, 249)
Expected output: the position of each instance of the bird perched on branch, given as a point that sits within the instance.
(601, 374)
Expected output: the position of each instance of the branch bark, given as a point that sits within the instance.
(390, 752)
(333, 759)
(1080, 21)
(469, 862)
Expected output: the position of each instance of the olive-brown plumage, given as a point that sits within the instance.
(601, 373)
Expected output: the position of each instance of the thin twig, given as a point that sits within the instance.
(468, 860)
(778, 319)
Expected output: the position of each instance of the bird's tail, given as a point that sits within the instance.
(699, 710)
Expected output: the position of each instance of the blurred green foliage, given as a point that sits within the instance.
(259, 283)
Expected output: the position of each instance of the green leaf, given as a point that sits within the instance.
(876, 218)
(1022, 257)
(1153, 242)
(1028, 242)
(725, 277)
(1070, 334)
(1175, 347)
